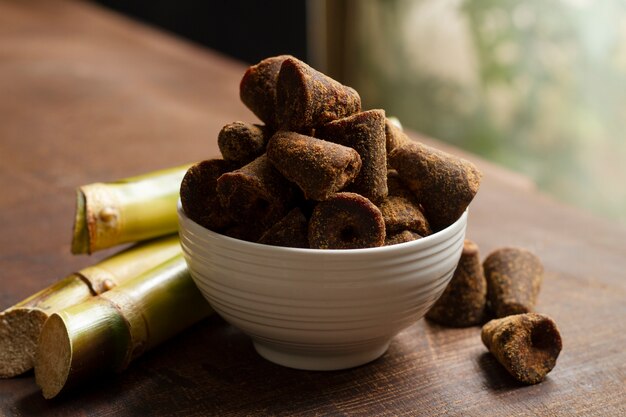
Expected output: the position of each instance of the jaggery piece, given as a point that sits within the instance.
(290, 231)
(306, 98)
(257, 89)
(401, 213)
(444, 184)
(527, 345)
(401, 210)
(255, 194)
(514, 277)
(198, 194)
(464, 300)
(403, 236)
(242, 143)
(346, 221)
(394, 136)
(365, 133)
(320, 168)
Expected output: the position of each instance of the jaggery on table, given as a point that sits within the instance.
(86, 95)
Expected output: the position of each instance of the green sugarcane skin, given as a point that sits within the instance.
(21, 324)
(90, 281)
(130, 263)
(129, 210)
(63, 293)
(109, 331)
(94, 323)
(167, 300)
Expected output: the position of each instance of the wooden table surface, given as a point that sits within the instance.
(86, 95)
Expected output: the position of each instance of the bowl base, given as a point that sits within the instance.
(316, 361)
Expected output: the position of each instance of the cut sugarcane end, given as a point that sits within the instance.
(53, 362)
(19, 332)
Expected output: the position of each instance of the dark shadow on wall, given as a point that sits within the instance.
(244, 29)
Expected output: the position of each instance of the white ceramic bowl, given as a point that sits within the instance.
(320, 309)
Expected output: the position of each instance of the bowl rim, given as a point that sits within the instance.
(425, 242)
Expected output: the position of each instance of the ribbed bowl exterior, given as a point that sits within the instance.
(320, 309)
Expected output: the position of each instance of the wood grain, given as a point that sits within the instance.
(88, 96)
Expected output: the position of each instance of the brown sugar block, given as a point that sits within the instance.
(306, 98)
(242, 142)
(443, 183)
(464, 300)
(318, 167)
(403, 236)
(401, 210)
(401, 213)
(365, 133)
(291, 231)
(394, 136)
(527, 345)
(514, 278)
(346, 221)
(255, 194)
(257, 89)
(198, 194)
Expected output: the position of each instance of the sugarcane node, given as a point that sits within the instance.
(108, 284)
(127, 210)
(108, 215)
(21, 324)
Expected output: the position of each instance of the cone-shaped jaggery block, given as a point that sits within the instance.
(514, 278)
(365, 133)
(198, 194)
(320, 168)
(464, 300)
(346, 221)
(443, 183)
(527, 345)
(291, 231)
(306, 98)
(242, 143)
(255, 194)
(257, 89)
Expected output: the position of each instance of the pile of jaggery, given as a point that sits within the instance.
(321, 172)
(504, 288)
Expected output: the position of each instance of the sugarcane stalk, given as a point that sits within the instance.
(106, 333)
(128, 210)
(20, 325)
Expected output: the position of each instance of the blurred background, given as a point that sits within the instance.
(538, 86)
